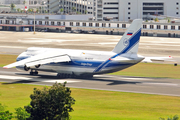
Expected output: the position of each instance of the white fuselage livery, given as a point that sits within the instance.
(82, 61)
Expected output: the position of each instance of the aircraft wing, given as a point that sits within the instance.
(160, 59)
(45, 58)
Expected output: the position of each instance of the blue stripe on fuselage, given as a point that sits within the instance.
(132, 42)
(86, 64)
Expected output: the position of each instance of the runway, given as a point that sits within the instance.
(17, 42)
(158, 86)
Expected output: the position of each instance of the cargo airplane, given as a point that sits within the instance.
(83, 63)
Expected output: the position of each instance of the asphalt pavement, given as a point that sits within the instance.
(158, 86)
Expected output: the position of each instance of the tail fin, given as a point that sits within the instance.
(129, 43)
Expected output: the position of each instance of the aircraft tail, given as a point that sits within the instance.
(129, 42)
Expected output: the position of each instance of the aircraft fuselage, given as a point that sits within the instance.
(83, 61)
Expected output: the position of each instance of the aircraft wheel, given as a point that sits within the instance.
(73, 76)
(62, 75)
(36, 73)
(31, 73)
(69, 75)
(86, 76)
(59, 75)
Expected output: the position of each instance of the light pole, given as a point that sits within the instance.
(34, 20)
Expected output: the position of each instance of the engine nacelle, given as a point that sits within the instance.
(22, 68)
(37, 66)
(26, 68)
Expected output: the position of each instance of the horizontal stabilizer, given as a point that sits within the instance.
(158, 59)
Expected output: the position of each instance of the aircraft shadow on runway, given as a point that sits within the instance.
(110, 80)
(20, 81)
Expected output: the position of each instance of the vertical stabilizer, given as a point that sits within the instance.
(129, 42)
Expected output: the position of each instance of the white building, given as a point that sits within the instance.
(119, 10)
(131, 9)
(123, 10)
(68, 6)
(68, 23)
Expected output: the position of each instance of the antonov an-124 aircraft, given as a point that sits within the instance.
(83, 63)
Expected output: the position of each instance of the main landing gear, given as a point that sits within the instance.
(64, 75)
(34, 72)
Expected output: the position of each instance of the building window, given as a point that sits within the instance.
(129, 13)
(52, 23)
(40, 22)
(177, 13)
(63, 23)
(158, 27)
(58, 23)
(77, 24)
(129, 17)
(177, 8)
(103, 24)
(129, 3)
(117, 25)
(129, 8)
(7, 21)
(97, 24)
(177, 3)
(144, 26)
(84, 24)
(165, 27)
(109, 25)
(13, 22)
(28, 22)
(71, 23)
(110, 8)
(123, 25)
(46, 23)
(172, 27)
(90, 24)
(178, 27)
(110, 12)
(151, 26)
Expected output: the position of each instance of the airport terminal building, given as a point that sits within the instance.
(57, 23)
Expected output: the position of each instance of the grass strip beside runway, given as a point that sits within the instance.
(151, 70)
(100, 105)
(139, 70)
(7, 59)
